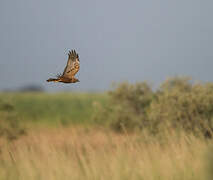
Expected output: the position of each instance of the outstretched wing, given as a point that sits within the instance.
(73, 65)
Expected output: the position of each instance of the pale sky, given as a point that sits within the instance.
(117, 40)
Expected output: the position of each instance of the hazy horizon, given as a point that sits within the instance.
(116, 40)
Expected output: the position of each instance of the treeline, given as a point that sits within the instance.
(178, 104)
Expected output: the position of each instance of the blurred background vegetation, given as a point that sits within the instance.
(178, 103)
(177, 116)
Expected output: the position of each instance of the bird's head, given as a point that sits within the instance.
(76, 80)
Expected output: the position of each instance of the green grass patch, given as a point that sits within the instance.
(54, 108)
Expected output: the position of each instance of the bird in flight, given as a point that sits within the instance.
(72, 67)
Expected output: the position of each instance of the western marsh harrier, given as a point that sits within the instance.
(73, 66)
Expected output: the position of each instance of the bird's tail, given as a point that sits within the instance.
(52, 79)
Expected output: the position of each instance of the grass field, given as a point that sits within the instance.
(79, 153)
(54, 109)
(63, 142)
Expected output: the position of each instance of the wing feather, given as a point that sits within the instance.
(73, 65)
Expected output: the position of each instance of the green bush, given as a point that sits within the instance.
(178, 104)
(9, 123)
(182, 104)
(127, 107)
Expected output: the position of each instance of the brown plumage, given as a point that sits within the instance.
(72, 67)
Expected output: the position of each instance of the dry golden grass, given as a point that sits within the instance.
(79, 153)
